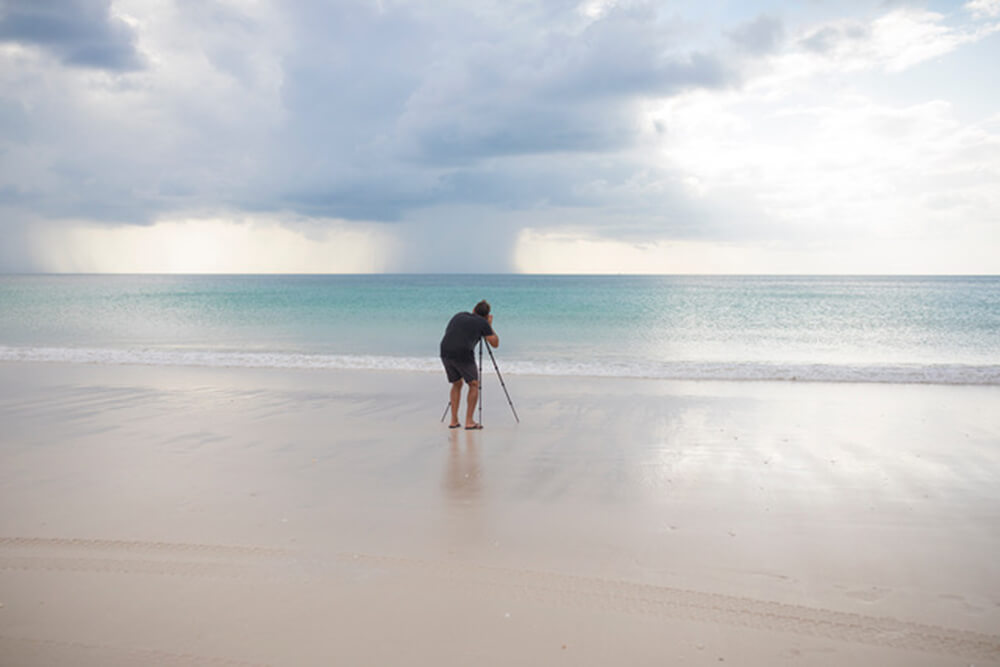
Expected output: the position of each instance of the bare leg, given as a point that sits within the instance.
(456, 396)
(473, 399)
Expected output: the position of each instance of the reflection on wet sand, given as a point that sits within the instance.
(463, 472)
(464, 525)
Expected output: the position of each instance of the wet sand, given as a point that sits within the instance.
(246, 516)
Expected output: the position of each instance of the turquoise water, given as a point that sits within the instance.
(874, 329)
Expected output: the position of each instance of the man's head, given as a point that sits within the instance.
(482, 308)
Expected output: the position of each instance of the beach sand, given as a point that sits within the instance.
(175, 516)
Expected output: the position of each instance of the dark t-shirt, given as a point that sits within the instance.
(463, 332)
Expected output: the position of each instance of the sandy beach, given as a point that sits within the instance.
(176, 516)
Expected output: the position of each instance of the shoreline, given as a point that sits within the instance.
(334, 516)
(909, 373)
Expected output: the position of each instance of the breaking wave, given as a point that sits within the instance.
(900, 373)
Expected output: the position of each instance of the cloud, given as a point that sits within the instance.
(82, 33)
(848, 167)
(343, 110)
(760, 36)
(406, 108)
(893, 42)
(983, 8)
(547, 252)
(452, 126)
(827, 39)
(257, 245)
(17, 249)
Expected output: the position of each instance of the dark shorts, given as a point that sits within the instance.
(464, 369)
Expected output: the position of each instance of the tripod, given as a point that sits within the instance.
(502, 383)
(482, 344)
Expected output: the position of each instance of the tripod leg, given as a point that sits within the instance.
(481, 380)
(503, 384)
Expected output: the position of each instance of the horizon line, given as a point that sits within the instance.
(505, 273)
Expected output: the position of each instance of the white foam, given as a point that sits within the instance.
(954, 374)
(957, 374)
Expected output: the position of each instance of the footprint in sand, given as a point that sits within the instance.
(873, 594)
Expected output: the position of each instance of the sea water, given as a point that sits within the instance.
(843, 329)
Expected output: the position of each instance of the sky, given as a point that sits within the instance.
(593, 136)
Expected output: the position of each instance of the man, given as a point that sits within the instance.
(460, 339)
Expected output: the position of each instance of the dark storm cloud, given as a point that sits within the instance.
(357, 110)
(429, 97)
(631, 51)
(77, 32)
(553, 90)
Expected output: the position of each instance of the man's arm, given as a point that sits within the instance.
(493, 340)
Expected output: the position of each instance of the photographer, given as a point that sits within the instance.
(460, 338)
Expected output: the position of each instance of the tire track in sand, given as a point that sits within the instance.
(589, 593)
(55, 652)
(163, 558)
(650, 600)
(136, 546)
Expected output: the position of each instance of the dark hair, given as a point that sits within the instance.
(482, 308)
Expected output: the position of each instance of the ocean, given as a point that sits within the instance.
(939, 330)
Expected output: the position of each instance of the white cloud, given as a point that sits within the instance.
(894, 42)
(821, 161)
(849, 167)
(554, 252)
(595, 9)
(983, 8)
(203, 245)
